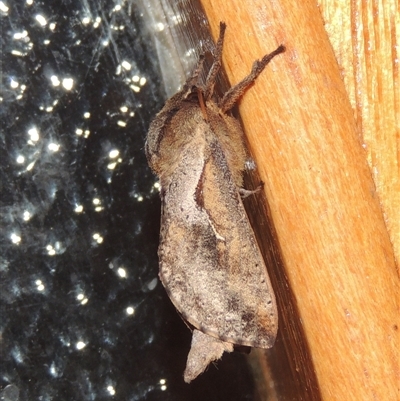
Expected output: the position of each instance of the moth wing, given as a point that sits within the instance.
(210, 263)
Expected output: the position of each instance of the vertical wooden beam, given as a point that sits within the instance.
(337, 252)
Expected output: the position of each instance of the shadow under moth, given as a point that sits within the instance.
(210, 263)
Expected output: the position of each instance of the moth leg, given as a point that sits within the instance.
(232, 96)
(216, 66)
(244, 193)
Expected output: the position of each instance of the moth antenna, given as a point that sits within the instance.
(232, 96)
(202, 104)
(193, 78)
(216, 66)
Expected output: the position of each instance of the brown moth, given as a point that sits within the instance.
(210, 263)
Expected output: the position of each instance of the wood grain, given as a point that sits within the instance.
(365, 37)
(307, 141)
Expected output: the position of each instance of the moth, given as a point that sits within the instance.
(210, 263)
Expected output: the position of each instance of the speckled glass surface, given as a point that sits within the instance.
(83, 314)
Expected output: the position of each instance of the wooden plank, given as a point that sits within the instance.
(337, 252)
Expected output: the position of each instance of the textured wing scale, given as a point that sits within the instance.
(210, 263)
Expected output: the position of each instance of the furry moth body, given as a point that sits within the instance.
(210, 263)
